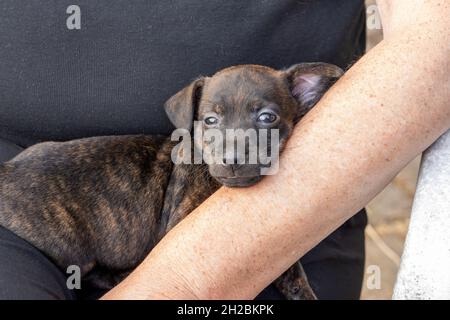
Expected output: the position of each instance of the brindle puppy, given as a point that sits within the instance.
(103, 203)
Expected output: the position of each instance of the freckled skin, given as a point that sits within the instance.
(103, 203)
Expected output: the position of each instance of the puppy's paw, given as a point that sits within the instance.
(294, 285)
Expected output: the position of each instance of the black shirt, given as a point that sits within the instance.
(113, 75)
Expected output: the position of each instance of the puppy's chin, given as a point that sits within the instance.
(238, 182)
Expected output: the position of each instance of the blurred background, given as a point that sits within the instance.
(388, 215)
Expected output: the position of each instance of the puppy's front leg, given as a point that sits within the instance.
(189, 186)
(294, 285)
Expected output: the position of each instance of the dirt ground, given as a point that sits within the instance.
(388, 220)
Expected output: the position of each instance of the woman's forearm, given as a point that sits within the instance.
(387, 109)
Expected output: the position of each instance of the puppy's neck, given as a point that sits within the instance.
(189, 186)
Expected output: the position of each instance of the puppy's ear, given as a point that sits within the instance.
(181, 107)
(308, 82)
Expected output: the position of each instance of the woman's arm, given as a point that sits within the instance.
(387, 109)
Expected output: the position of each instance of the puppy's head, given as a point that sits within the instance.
(242, 105)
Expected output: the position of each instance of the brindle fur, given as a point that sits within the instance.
(103, 203)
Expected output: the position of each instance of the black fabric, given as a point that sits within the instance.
(8, 150)
(25, 273)
(113, 75)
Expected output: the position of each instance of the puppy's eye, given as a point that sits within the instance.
(267, 118)
(211, 121)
